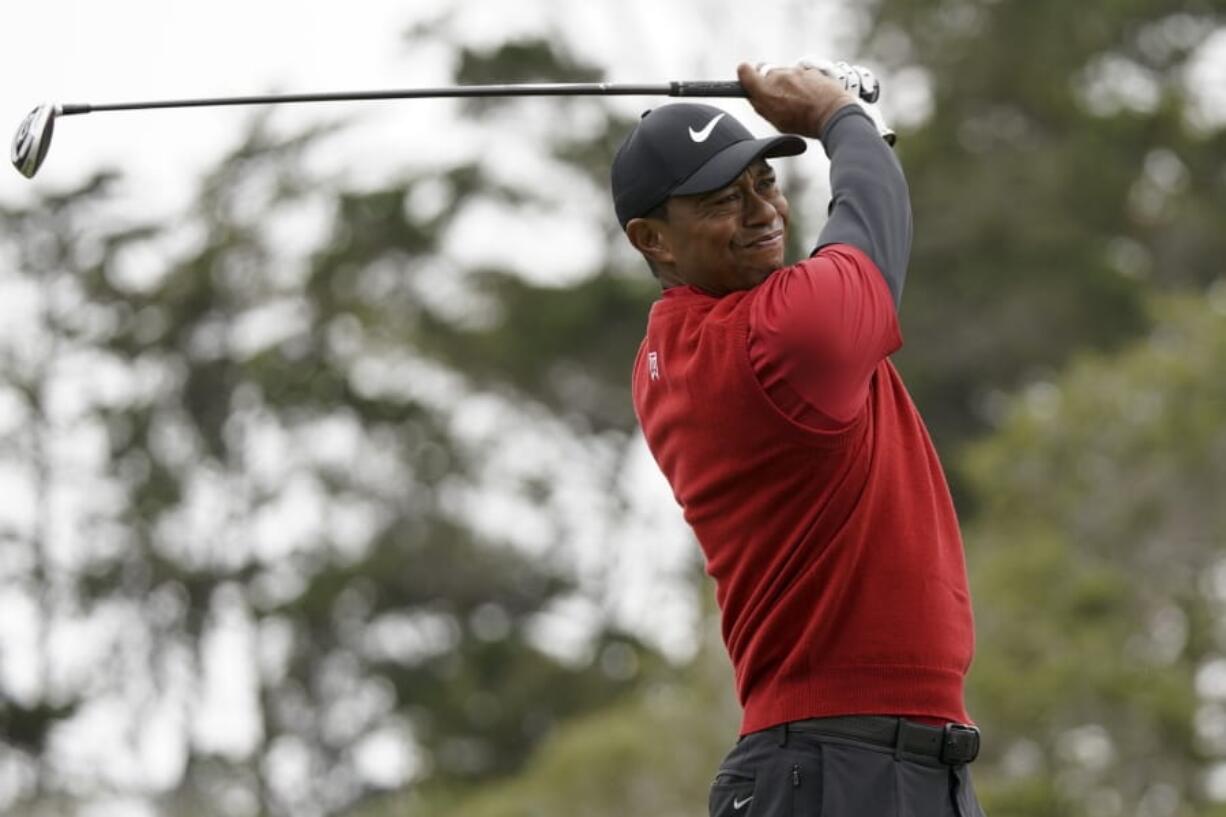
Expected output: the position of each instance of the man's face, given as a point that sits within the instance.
(731, 238)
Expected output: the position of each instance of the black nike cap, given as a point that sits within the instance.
(683, 149)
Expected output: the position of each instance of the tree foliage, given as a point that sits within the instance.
(1059, 178)
(651, 753)
(290, 461)
(1097, 575)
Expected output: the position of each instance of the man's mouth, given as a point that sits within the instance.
(768, 241)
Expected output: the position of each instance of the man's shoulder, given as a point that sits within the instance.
(826, 264)
(833, 278)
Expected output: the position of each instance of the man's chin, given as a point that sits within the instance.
(748, 279)
(763, 272)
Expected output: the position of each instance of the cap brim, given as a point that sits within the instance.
(731, 162)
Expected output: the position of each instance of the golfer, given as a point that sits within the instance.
(766, 394)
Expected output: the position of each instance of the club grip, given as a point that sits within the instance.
(706, 88)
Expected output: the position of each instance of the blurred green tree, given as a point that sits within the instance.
(315, 479)
(1061, 173)
(1097, 569)
(651, 753)
(47, 330)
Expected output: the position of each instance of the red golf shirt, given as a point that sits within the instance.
(814, 491)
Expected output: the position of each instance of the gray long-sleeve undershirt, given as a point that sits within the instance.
(870, 206)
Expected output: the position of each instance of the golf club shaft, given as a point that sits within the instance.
(33, 137)
(678, 89)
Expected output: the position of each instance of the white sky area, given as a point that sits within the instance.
(127, 50)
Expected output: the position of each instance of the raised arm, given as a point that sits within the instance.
(870, 206)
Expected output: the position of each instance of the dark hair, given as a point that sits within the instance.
(660, 213)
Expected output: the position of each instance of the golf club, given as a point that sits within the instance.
(33, 137)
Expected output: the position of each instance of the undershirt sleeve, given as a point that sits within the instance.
(870, 206)
(817, 332)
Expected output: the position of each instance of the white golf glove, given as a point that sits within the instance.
(860, 82)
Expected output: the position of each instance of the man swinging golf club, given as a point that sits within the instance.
(766, 395)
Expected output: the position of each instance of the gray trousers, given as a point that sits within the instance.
(782, 773)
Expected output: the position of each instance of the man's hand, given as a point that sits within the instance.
(793, 99)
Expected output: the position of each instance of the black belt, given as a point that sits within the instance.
(952, 744)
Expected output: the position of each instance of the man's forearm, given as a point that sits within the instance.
(870, 206)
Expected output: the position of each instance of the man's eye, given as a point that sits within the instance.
(767, 182)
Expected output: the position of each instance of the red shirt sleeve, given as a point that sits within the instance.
(817, 331)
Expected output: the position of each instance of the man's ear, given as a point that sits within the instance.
(650, 237)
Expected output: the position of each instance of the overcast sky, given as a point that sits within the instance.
(82, 51)
(122, 50)
(126, 50)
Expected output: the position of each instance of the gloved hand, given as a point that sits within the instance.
(855, 78)
(859, 81)
(793, 99)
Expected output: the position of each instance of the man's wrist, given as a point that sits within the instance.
(838, 115)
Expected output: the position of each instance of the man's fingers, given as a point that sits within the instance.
(749, 78)
(850, 77)
(795, 101)
(855, 78)
(870, 89)
(820, 65)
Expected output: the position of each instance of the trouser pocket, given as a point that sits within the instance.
(732, 794)
(785, 785)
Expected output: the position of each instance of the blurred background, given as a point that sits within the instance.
(320, 488)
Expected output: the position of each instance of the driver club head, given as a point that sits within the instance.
(32, 139)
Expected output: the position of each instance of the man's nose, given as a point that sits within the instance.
(759, 209)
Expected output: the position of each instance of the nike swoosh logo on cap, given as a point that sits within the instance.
(701, 135)
(737, 803)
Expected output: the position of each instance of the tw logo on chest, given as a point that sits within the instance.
(653, 366)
